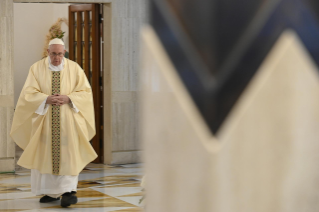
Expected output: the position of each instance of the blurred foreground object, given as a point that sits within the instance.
(230, 106)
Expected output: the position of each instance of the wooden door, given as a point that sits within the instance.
(85, 45)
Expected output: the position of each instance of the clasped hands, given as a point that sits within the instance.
(58, 99)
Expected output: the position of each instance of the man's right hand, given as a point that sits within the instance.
(53, 100)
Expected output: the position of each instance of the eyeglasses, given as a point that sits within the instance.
(54, 54)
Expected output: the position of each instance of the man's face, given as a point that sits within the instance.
(56, 53)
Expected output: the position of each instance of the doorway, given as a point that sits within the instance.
(86, 48)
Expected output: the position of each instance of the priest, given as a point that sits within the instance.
(53, 123)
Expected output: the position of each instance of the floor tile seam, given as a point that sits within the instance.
(129, 202)
(122, 173)
(126, 181)
(116, 184)
(125, 195)
(119, 196)
(116, 176)
(97, 180)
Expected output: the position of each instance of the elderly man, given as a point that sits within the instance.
(53, 123)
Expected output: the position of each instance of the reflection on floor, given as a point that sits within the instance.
(101, 188)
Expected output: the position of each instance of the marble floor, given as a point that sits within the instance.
(101, 188)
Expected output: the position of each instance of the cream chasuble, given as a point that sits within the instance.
(58, 141)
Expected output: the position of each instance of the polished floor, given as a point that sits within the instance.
(101, 188)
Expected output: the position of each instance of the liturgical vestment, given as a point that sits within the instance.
(57, 142)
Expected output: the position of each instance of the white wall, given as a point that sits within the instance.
(31, 24)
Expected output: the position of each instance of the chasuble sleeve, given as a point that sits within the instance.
(30, 99)
(74, 108)
(82, 98)
(43, 108)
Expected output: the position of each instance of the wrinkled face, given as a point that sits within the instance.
(56, 53)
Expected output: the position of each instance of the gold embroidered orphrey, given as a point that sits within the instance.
(55, 125)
